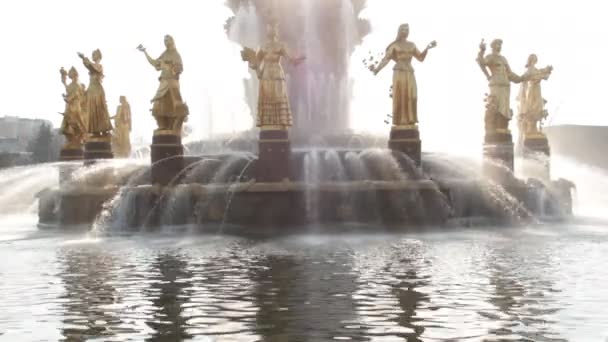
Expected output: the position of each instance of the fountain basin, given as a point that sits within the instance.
(72, 207)
(260, 207)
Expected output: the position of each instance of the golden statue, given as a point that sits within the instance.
(531, 103)
(168, 108)
(83, 106)
(404, 93)
(273, 104)
(99, 124)
(122, 128)
(71, 126)
(496, 69)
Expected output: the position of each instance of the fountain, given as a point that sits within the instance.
(306, 169)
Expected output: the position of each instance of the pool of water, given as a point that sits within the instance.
(536, 283)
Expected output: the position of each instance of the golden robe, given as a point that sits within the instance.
(97, 108)
(168, 103)
(405, 90)
(273, 103)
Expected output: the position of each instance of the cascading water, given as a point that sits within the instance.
(116, 212)
(468, 170)
(312, 179)
(202, 171)
(382, 165)
(231, 192)
(355, 166)
(21, 184)
(231, 168)
(334, 167)
(591, 186)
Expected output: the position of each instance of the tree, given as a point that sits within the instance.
(41, 146)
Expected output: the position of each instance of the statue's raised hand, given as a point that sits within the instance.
(374, 69)
(141, 48)
(431, 45)
(482, 45)
(81, 55)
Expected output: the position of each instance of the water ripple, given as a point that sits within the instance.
(516, 284)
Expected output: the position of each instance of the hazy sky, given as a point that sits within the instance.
(40, 36)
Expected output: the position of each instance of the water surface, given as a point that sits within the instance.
(537, 283)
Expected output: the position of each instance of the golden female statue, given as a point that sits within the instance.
(273, 105)
(72, 127)
(500, 77)
(122, 129)
(84, 106)
(531, 102)
(99, 124)
(168, 108)
(405, 93)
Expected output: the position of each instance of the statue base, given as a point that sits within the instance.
(537, 157)
(71, 153)
(274, 155)
(498, 156)
(97, 148)
(406, 140)
(167, 157)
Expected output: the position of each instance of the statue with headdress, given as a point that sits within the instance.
(273, 104)
(531, 103)
(168, 108)
(404, 90)
(499, 75)
(98, 118)
(72, 126)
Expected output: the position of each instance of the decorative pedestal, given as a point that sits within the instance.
(70, 154)
(167, 154)
(537, 157)
(97, 148)
(406, 140)
(498, 156)
(66, 155)
(274, 154)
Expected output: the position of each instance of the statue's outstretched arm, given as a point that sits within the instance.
(481, 59)
(254, 59)
(546, 72)
(64, 75)
(422, 55)
(513, 77)
(292, 59)
(387, 58)
(153, 62)
(87, 63)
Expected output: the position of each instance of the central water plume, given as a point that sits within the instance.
(326, 32)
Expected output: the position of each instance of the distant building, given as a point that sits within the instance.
(16, 132)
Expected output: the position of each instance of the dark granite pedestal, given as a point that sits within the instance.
(167, 157)
(498, 156)
(71, 154)
(537, 157)
(407, 141)
(97, 148)
(274, 154)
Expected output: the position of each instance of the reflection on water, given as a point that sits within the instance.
(536, 284)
